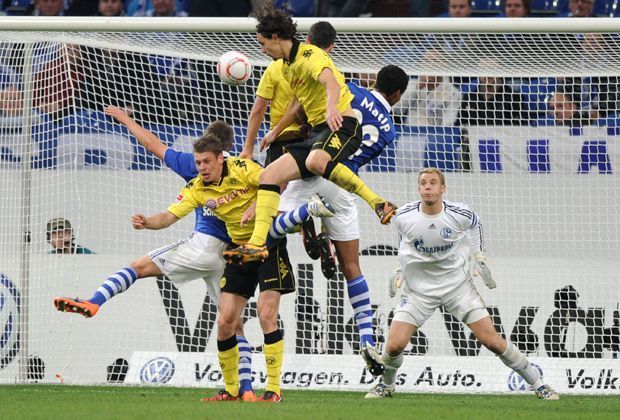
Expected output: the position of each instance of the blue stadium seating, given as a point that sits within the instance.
(537, 91)
(607, 8)
(482, 8)
(299, 8)
(547, 7)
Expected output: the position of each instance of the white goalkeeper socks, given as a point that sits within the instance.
(516, 361)
(391, 367)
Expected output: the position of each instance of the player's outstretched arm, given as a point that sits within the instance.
(256, 118)
(155, 222)
(144, 136)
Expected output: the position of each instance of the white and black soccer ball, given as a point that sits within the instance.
(234, 68)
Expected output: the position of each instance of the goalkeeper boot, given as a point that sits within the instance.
(223, 395)
(311, 245)
(246, 253)
(374, 362)
(270, 397)
(318, 207)
(78, 306)
(545, 392)
(328, 260)
(249, 396)
(385, 210)
(381, 390)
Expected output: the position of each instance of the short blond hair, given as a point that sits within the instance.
(442, 177)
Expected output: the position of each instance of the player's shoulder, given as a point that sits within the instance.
(274, 68)
(192, 182)
(240, 164)
(409, 208)
(458, 209)
(309, 52)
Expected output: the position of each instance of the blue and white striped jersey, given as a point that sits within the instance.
(373, 112)
(184, 165)
(434, 250)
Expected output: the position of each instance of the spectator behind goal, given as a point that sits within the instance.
(59, 234)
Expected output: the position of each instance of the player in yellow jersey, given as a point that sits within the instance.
(320, 89)
(273, 92)
(228, 186)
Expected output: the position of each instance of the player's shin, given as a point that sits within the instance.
(359, 296)
(245, 364)
(346, 179)
(392, 363)
(228, 355)
(115, 284)
(267, 203)
(516, 361)
(274, 350)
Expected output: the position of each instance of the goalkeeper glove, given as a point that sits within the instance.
(396, 281)
(481, 270)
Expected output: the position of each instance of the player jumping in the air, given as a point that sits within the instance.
(336, 134)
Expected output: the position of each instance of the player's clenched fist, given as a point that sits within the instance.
(138, 221)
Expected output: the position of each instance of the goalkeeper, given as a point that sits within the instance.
(434, 259)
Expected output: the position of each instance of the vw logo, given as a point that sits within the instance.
(9, 321)
(516, 381)
(157, 371)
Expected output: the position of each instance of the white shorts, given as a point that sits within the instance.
(344, 225)
(463, 302)
(198, 256)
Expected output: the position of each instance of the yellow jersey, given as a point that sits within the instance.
(302, 70)
(274, 87)
(227, 198)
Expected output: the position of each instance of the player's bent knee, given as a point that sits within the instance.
(394, 349)
(145, 267)
(227, 322)
(315, 162)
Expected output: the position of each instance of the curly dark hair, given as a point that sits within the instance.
(275, 21)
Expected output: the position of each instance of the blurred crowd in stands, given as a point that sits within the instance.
(316, 8)
(173, 91)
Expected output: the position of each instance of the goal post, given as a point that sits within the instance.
(522, 114)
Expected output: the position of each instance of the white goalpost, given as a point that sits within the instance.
(523, 115)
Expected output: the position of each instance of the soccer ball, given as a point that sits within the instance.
(234, 68)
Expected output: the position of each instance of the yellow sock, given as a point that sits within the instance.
(345, 178)
(229, 363)
(267, 203)
(274, 353)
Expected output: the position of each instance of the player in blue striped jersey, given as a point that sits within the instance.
(373, 110)
(199, 255)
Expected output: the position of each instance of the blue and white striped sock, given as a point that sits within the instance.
(245, 364)
(286, 223)
(359, 296)
(115, 284)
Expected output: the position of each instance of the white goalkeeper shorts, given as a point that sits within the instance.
(198, 256)
(463, 302)
(344, 225)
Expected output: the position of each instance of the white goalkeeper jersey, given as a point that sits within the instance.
(434, 250)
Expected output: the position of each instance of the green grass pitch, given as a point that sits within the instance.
(63, 401)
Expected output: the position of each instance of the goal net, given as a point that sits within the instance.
(525, 125)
